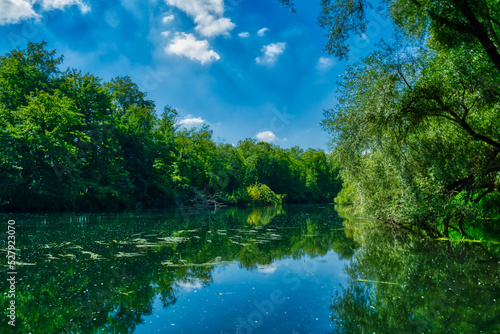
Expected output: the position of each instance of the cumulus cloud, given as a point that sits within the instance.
(168, 18)
(207, 14)
(270, 53)
(188, 46)
(244, 34)
(61, 4)
(13, 11)
(190, 121)
(267, 136)
(262, 31)
(324, 63)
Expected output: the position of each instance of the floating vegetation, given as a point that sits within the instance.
(93, 256)
(121, 254)
(186, 264)
(139, 240)
(58, 245)
(173, 240)
(25, 264)
(71, 256)
(148, 245)
(273, 236)
(167, 263)
(240, 243)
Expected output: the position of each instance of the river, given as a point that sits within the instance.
(290, 269)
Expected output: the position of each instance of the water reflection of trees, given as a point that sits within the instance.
(399, 283)
(102, 273)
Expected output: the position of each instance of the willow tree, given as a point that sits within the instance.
(416, 128)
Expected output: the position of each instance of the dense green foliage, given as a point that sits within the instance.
(416, 130)
(71, 141)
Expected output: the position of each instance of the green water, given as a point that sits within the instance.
(299, 269)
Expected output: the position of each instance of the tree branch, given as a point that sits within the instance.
(404, 79)
(478, 31)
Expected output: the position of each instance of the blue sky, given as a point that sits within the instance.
(248, 68)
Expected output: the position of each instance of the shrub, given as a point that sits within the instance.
(261, 194)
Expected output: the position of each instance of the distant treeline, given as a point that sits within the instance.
(72, 141)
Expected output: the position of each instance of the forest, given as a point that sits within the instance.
(70, 141)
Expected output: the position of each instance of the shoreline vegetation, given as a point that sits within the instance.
(70, 141)
(416, 128)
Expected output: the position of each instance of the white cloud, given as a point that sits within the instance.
(324, 63)
(168, 18)
(61, 4)
(13, 11)
(188, 46)
(165, 33)
(262, 31)
(271, 52)
(190, 121)
(210, 26)
(244, 34)
(267, 136)
(207, 14)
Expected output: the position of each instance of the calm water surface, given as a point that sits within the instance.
(298, 269)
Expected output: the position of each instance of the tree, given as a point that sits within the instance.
(416, 127)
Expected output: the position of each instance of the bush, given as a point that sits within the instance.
(261, 194)
(257, 194)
